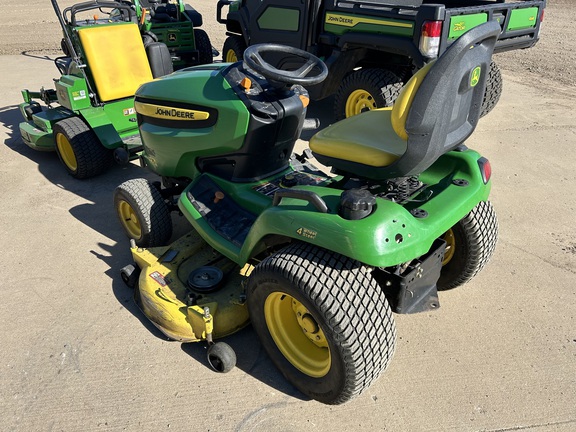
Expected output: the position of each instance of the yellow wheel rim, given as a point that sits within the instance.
(450, 246)
(129, 220)
(66, 152)
(297, 334)
(358, 102)
(231, 56)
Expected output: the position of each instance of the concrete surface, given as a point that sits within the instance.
(77, 355)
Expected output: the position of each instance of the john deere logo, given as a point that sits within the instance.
(475, 76)
(460, 26)
(172, 37)
(169, 113)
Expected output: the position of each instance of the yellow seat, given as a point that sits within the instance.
(435, 113)
(116, 59)
(375, 138)
(360, 139)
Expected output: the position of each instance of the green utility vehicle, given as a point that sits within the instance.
(89, 118)
(315, 262)
(372, 47)
(176, 24)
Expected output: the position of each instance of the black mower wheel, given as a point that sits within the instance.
(233, 49)
(493, 90)
(64, 47)
(323, 320)
(469, 245)
(130, 275)
(365, 90)
(204, 46)
(79, 149)
(143, 213)
(221, 357)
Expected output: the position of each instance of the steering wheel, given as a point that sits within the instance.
(253, 59)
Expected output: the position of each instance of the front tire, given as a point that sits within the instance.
(204, 46)
(470, 244)
(233, 49)
(79, 149)
(143, 213)
(323, 320)
(366, 90)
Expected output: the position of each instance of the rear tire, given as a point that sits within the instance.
(204, 46)
(365, 90)
(323, 320)
(79, 149)
(233, 49)
(143, 213)
(493, 90)
(470, 244)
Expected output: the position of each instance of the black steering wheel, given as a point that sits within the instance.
(253, 59)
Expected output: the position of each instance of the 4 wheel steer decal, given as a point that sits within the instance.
(307, 233)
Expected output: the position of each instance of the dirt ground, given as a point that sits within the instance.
(78, 355)
(31, 27)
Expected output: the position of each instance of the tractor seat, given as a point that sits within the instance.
(117, 60)
(375, 138)
(436, 111)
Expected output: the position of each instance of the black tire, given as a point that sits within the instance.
(204, 46)
(221, 357)
(130, 275)
(79, 149)
(307, 303)
(143, 213)
(493, 90)
(233, 49)
(471, 243)
(364, 90)
(64, 47)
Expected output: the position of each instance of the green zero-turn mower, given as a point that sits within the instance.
(174, 23)
(316, 262)
(89, 118)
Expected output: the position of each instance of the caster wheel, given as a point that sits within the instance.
(221, 357)
(129, 275)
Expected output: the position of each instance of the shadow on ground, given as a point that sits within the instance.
(97, 212)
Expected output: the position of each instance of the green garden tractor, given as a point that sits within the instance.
(317, 262)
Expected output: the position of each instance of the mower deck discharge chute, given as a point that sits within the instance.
(89, 117)
(318, 262)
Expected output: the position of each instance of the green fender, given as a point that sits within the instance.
(112, 121)
(389, 236)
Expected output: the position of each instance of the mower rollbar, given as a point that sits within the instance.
(70, 45)
(81, 7)
(67, 37)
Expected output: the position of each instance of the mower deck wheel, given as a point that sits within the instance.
(79, 149)
(221, 357)
(129, 275)
(323, 320)
(143, 213)
(469, 245)
(233, 49)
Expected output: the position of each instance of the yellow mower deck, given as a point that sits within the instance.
(177, 310)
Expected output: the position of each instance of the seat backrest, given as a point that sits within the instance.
(116, 59)
(440, 106)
